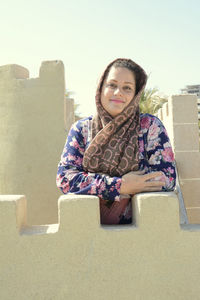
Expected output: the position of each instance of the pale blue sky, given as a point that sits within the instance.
(162, 36)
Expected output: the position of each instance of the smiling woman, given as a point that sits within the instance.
(118, 152)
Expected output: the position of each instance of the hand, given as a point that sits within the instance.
(137, 182)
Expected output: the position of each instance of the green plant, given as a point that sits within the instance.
(150, 101)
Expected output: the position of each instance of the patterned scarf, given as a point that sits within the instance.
(114, 147)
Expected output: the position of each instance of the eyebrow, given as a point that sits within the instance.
(124, 82)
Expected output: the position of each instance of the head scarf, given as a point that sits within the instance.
(114, 147)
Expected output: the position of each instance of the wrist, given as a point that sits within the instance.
(123, 186)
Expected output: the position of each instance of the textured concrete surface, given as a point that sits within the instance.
(32, 136)
(180, 116)
(75, 257)
(155, 258)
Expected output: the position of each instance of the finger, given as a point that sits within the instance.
(154, 183)
(152, 175)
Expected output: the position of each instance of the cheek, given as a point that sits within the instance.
(105, 96)
(130, 98)
(107, 92)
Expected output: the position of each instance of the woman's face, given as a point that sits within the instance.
(118, 90)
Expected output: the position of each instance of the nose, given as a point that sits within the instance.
(118, 91)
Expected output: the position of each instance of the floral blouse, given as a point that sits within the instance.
(155, 154)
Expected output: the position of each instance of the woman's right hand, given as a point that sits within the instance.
(137, 182)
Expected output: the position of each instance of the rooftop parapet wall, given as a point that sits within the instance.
(32, 136)
(180, 116)
(155, 258)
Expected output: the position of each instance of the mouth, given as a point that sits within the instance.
(117, 100)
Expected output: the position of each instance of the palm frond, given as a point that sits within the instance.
(150, 101)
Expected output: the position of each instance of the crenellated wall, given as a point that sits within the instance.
(180, 116)
(32, 135)
(73, 256)
(156, 258)
(35, 117)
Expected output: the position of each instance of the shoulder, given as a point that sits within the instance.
(80, 131)
(80, 124)
(152, 127)
(147, 120)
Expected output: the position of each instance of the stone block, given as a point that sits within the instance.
(193, 215)
(190, 190)
(145, 206)
(188, 164)
(184, 108)
(186, 137)
(87, 208)
(12, 214)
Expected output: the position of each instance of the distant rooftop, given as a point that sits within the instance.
(191, 89)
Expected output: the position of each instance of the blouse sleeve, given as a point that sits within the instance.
(71, 178)
(159, 153)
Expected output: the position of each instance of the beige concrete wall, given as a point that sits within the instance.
(32, 135)
(77, 258)
(155, 258)
(74, 257)
(180, 116)
(69, 117)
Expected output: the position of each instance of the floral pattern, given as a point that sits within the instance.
(155, 154)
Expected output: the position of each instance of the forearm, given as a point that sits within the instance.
(169, 175)
(72, 180)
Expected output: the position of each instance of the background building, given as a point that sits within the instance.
(192, 89)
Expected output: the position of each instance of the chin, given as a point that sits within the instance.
(117, 112)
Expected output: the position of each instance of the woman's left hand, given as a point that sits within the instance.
(137, 181)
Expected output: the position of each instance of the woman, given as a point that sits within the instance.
(118, 152)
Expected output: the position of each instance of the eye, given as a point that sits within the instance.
(127, 88)
(112, 85)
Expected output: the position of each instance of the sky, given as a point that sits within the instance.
(162, 36)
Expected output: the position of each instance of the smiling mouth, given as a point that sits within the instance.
(117, 100)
